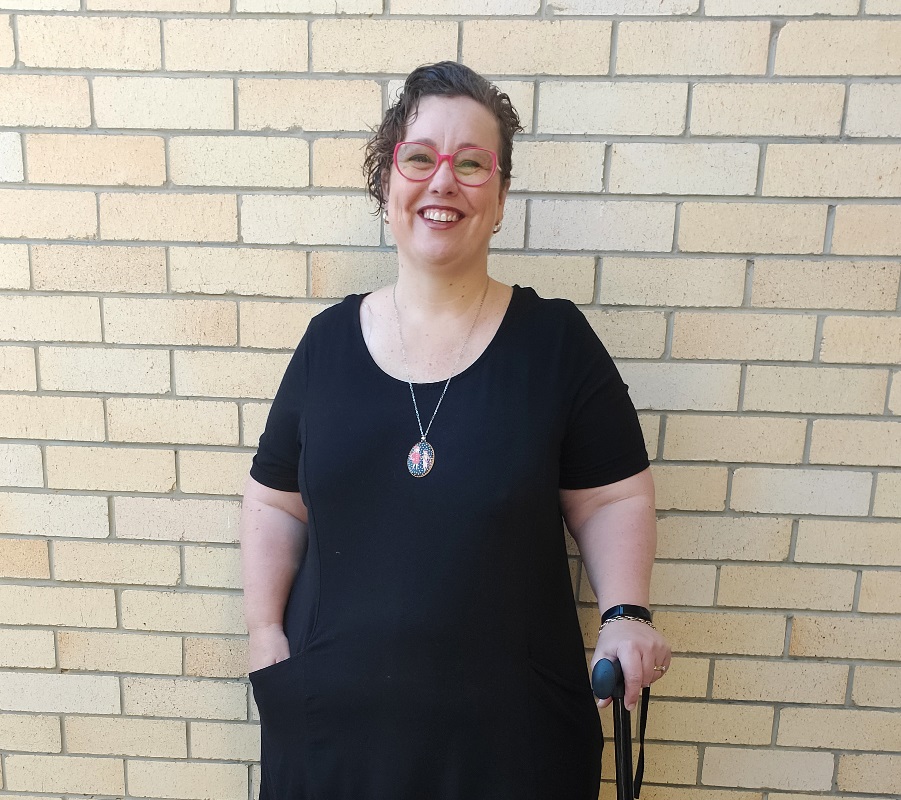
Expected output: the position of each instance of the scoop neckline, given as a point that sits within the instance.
(517, 290)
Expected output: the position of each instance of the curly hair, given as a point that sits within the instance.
(446, 79)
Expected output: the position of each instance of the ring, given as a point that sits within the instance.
(660, 669)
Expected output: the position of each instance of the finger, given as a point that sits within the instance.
(633, 674)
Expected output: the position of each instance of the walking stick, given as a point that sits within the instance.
(607, 681)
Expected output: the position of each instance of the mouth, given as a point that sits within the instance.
(440, 215)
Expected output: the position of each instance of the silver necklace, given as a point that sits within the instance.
(421, 457)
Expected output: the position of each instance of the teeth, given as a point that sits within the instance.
(440, 216)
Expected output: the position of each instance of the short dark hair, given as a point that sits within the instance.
(446, 79)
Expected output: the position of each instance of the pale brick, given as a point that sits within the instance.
(96, 159)
(833, 170)
(752, 227)
(867, 230)
(858, 442)
(110, 469)
(116, 652)
(226, 741)
(550, 276)
(721, 723)
(55, 605)
(54, 515)
(839, 48)
(686, 677)
(723, 538)
(245, 271)
(787, 8)
(275, 325)
(690, 488)
(41, 5)
(624, 108)
(23, 558)
(62, 694)
(11, 164)
(163, 103)
(779, 681)
(203, 322)
(103, 369)
(29, 417)
(888, 495)
(815, 390)
(695, 793)
(128, 737)
(183, 697)
(215, 658)
(99, 268)
(172, 421)
(169, 217)
(283, 104)
(327, 219)
(892, 7)
(276, 161)
(877, 686)
(837, 637)
(650, 428)
(235, 45)
(528, 47)
(33, 732)
(202, 6)
(17, 369)
(629, 7)
(642, 168)
(182, 612)
(46, 213)
(253, 422)
(71, 42)
(601, 225)
(14, 273)
(671, 763)
(109, 563)
(336, 274)
(782, 337)
(683, 584)
(786, 587)
(723, 632)
(207, 373)
(188, 780)
(870, 773)
(176, 520)
(801, 491)
(711, 438)
(696, 387)
(839, 542)
(630, 334)
(212, 472)
(767, 767)
(789, 283)
(692, 48)
(894, 400)
(25, 648)
(469, 8)
(339, 163)
(217, 567)
(7, 47)
(44, 101)
(72, 319)
(874, 109)
(56, 773)
(861, 340)
(20, 465)
(559, 166)
(513, 234)
(767, 109)
(880, 593)
(371, 45)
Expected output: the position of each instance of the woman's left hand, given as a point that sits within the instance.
(639, 649)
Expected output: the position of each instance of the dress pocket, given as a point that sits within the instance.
(270, 669)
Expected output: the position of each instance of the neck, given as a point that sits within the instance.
(440, 294)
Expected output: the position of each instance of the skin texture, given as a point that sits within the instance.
(442, 275)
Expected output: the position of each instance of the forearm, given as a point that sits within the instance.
(273, 543)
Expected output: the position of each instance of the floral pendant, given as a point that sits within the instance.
(420, 459)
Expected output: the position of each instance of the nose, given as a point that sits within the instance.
(443, 181)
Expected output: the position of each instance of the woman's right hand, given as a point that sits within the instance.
(267, 646)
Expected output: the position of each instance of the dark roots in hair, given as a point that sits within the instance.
(447, 79)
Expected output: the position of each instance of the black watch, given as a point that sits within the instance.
(626, 610)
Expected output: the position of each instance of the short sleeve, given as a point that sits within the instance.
(278, 455)
(603, 442)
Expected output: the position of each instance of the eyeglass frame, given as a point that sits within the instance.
(449, 157)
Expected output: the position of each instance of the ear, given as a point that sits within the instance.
(502, 198)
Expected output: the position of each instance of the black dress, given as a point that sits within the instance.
(436, 652)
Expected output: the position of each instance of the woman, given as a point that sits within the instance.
(412, 627)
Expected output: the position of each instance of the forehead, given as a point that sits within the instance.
(454, 121)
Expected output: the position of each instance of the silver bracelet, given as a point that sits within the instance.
(625, 616)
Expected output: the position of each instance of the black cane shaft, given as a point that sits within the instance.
(622, 726)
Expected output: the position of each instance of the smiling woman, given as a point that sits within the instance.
(413, 632)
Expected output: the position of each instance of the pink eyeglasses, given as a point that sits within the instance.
(472, 166)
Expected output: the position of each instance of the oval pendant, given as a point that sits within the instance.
(420, 459)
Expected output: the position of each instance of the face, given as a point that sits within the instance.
(447, 124)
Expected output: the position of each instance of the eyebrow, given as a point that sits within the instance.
(432, 143)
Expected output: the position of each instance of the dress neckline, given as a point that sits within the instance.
(358, 328)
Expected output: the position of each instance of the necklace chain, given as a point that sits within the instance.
(403, 350)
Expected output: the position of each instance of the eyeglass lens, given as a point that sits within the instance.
(472, 166)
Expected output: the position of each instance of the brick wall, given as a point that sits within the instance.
(715, 182)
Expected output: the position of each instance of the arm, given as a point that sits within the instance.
(273, 536)
(615, 529)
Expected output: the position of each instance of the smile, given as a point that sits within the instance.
(438, 215)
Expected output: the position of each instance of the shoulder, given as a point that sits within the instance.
(552, 317)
